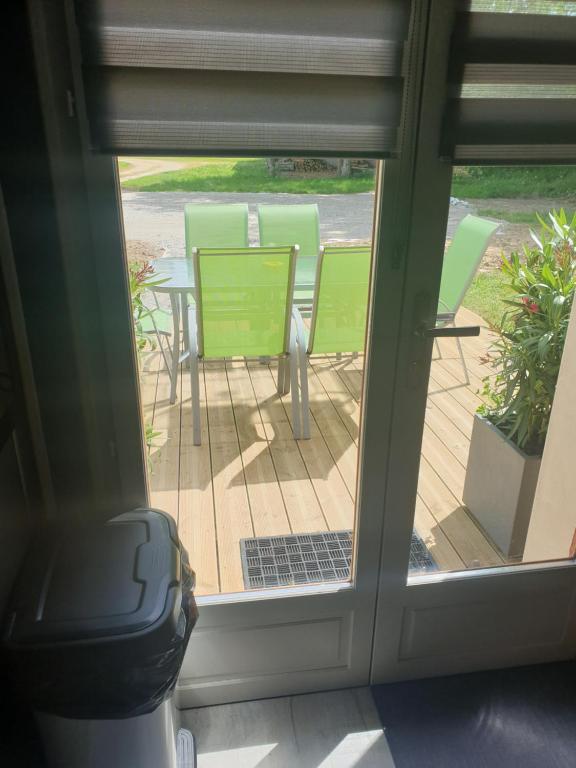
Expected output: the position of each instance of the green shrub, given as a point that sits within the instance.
(528, 352)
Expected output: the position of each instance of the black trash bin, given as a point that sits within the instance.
(96, 634)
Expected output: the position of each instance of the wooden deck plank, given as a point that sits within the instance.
(164, 461)
(304, 511)
(442, 460)
(302, 507)
(231, 503)
(196, 520)
(438, 544)
(453, 438)
(470, 543)
(336, 392)
(335, 499)
(267, 506)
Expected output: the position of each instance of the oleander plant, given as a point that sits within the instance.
(532, 332)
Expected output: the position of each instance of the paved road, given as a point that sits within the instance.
(157, 217)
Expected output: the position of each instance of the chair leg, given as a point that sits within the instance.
(194, 379)
(283, 384)
(293, 363)
(463, 360)
(195, 388)
(175, 349)
(438, 350)
(304, 400)
(167, 357)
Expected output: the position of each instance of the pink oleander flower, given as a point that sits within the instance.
(531, 306)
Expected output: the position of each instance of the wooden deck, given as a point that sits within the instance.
(251, 478)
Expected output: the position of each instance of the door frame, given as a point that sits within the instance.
(449, 622)
(286, 641)
(306, 639)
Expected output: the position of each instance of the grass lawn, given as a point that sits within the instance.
(486, 296)
(124, 165)
(518, 217)
(514, 182)
(246, 175)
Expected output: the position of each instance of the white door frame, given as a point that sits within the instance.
(457, 622)
(244, 646)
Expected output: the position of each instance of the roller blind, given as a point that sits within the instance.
(513, 82)
(264, 76)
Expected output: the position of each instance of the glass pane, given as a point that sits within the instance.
(496, 483)
(256, 505)
(544, 7)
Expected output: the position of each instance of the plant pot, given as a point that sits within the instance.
(500, 486)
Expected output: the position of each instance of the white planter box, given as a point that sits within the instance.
(500, 486)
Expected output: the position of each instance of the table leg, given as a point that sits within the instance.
(185, 327)
(175, 346)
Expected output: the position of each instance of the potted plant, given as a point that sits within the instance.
(509, 430)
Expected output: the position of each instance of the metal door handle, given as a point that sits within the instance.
(450, 331)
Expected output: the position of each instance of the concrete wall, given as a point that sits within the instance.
(553, 520)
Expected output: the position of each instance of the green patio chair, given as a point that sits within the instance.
(243, 309)
(294, 225)
(206, 225)
(461, 262)
(215, 225)
(338, 323)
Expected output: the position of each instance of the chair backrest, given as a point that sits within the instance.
(462, 259)
(341, 300)
(215, 225)
(244, 300)
(290, 225)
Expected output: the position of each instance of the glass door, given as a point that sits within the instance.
(260, 473)
(478, 564)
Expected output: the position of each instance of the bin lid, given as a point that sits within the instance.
(80, 582)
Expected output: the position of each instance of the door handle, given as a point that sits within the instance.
(450, 331)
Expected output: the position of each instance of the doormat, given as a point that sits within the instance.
(310, 558)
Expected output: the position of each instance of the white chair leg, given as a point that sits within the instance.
(304, 400)
(195, 389)
(194, 379)
(463, 360)
(166, 356)
(293, 363)
(175, 349)
(283, 383)
(438, 350)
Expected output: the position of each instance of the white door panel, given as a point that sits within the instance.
(255, 648)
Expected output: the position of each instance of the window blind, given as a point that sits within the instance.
(262, 76)
(512, 83)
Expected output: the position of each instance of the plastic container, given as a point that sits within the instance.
(97, 630)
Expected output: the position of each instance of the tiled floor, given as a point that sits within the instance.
(337, 729)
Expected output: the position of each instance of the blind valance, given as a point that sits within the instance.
(262, 76)
(512, 82)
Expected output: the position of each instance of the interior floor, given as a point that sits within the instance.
(337, 729)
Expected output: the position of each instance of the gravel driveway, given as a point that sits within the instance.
(157, 217)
